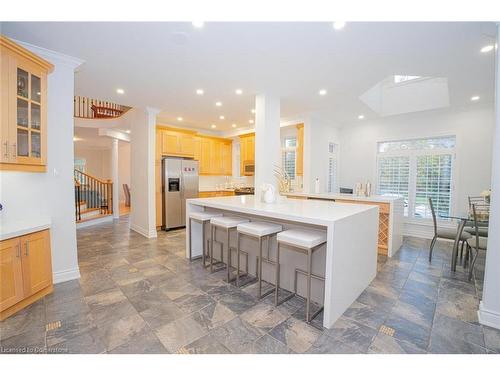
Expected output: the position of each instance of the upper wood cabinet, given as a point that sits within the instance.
(299, 161)
(23, 108)
(177, 142)
(25, 271)
(247, 152)
(214, 155)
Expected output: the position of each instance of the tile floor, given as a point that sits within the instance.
(142, 296)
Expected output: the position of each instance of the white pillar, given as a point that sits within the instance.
(114, 177)
(489, 308)
(267, 140)
(142, 122)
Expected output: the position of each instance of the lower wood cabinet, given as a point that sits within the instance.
(25, 271)
(210, 194)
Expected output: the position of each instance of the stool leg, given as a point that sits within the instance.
(309, 266)
(228, 258)
(212, 237)
(277, 282)
(260, 267)
(202, 243)
(238, 260)
(190, 239)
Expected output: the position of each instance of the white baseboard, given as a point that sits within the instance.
(146, 233)
(104, 219)
(487, 317)
(67, 275)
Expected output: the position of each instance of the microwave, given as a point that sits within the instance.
(248, 168)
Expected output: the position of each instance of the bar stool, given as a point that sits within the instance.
(305, 242)
(202, 218)
(259, 230)
(226, 223)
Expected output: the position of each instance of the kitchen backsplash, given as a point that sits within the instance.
(212, 183)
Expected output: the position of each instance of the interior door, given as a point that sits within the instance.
(36, 262)
(11, 273)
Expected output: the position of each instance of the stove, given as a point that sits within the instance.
(244, 191)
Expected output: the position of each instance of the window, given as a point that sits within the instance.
(332, 167)
(288, 156)
(418, 169)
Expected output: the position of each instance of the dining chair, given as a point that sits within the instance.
(447, 234)
(477, 243)
(482, 210)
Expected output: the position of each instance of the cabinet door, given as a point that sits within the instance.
(197, 149)
(205, 156)
(170, 143)
(216, 165)
(250, 149)
(186, 143)
(299, 161)
(227, 159)
(4, 107)
(36, 262)
(11, 273)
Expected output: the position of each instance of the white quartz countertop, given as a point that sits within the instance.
(371, 198)
(16, 228)
(211, 188)
(300, 210)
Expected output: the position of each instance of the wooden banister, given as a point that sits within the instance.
(95, 192)
(92, 108)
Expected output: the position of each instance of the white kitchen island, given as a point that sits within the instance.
(348, 261)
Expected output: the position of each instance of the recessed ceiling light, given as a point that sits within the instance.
(338, 25)
(238, 91)
(127, 131)
(487, 48)
(120, 91)
(250, 121)
(233, 125)
(474, 98)
(213, 126)
(200, 92)
(218, 104)
(198, 24)
(322, 92)
(221, 117)
(179, 119)
(361, 117)
(253, 111)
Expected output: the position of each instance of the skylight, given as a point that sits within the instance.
(400, 79)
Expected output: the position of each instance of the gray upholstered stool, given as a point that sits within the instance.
(226, 223)
(203, 218)
(305, 242)
(259, 230)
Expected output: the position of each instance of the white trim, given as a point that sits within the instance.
(146, 233)
(67, 275)
(52, 56)
(99, 220)
(487, 317)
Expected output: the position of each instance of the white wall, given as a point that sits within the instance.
(97, 161)
(473, 129)
(52, 193)
(123, 167)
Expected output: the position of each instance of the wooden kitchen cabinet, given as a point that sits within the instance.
(176, 142)
(25, 271)
(247, 152)
(299, 161)
(215, 156)
(23, 108)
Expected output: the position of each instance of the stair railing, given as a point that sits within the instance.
(96, 193)
(92, 108)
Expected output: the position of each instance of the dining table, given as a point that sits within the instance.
(463, 220)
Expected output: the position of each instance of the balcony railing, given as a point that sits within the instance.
(84, 107)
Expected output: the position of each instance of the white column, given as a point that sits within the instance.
(142, 122)
(267, 140)
(114, 177)
(489, 308)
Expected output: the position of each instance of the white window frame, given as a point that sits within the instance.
(335, 156)
(412, 183)
(293, 149)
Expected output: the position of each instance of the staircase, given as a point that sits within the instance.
(93, 197)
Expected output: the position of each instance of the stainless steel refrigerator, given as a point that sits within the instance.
(180, 182)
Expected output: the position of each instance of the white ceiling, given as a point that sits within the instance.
(162, 64)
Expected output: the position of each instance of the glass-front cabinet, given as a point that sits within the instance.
(23, 108)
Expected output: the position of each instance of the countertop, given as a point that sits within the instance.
(16, 228)
(371, 198)
(211, 188)
(299, 210)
